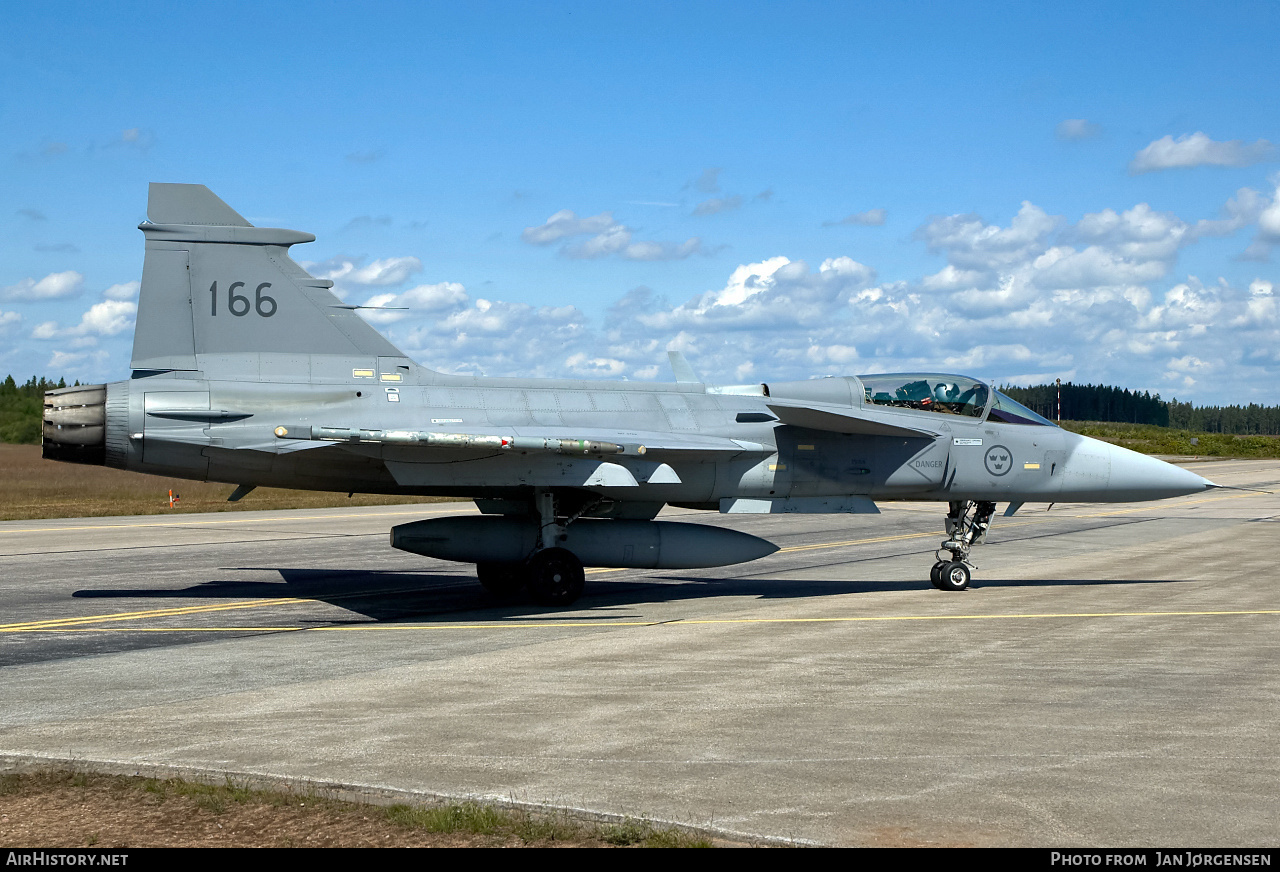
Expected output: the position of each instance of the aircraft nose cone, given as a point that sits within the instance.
(1137, 476)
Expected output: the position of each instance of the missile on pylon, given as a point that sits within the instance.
(456, 440)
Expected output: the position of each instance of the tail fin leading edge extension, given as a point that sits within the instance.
(213, 285)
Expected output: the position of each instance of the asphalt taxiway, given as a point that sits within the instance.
(1110, 679)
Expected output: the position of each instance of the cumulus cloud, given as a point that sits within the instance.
(61, 361)
(1134, 246)
(439, 297)
(567, 223)
(9, 321)
(54, 286)
(1269, 219)
(108, 318)
(123, 291)
(1197, 149)
(951, 278)
(1191, 306)
(618, 241)
(1245, 208)
(1033, 297)
(1261, 308)
(1140, 232)
(1095, 266)
(1007, 269)
(603, 367)
(387, 271)
(775, 291)
(971, 244)
(1074, 129)
(607, 238)
(612, 240)
(494, 337)
(979, 357)
(869, 218)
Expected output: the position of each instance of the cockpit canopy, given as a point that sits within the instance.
(927, 392)
(1010, 411)
(945, 394)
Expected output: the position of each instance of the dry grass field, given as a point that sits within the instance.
(73, 809)
(32, 487)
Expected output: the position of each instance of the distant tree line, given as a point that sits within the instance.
(1250, 420)
(22, 407)
(1105, 403)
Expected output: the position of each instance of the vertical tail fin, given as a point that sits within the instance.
(215, 285)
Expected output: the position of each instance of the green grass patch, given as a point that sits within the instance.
(134, 810)
(1150, 439)
(215, 798)
(467, 817)
(472, 818)
(645, 834)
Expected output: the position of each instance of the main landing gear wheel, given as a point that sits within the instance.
(952, 576)
(501, 580)
(555, 577)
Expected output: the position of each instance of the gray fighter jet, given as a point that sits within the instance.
(247, 370)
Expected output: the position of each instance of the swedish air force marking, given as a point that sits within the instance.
(998, 460)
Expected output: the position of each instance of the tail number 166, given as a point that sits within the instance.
(240, 304)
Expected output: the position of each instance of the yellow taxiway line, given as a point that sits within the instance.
(68, 623)
(80, 622)
(596, 625)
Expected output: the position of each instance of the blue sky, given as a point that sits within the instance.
(778, 190)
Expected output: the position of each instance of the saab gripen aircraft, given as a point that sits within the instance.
(249, 371)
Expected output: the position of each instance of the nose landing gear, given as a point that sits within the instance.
(967, 525)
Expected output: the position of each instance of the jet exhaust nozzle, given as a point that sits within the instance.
(75, 424)
(619, 544)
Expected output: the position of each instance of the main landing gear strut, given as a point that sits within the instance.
(553, 575)
(967, 525)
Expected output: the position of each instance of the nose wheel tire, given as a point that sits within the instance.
(501, 580)
(952, 576)
(555, 577)
(935, 574)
